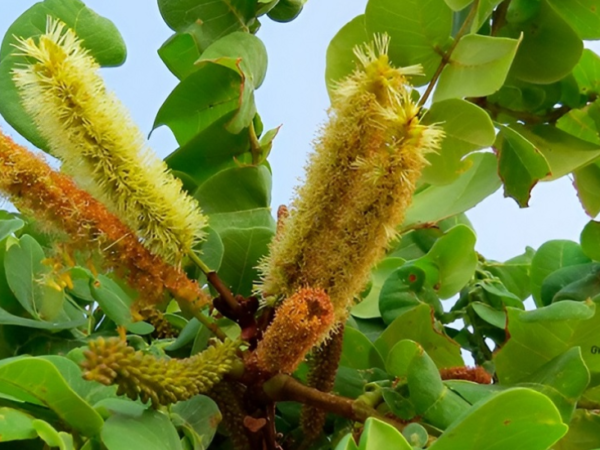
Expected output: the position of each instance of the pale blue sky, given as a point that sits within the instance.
(294, 95)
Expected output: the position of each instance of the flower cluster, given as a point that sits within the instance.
(89, 130)
(299, 323)
(59, 205)
(162, 381)
(359, 184)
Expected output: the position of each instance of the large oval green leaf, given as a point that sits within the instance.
(520, 165)
(191, 107)
(537, 337)
(434, 203)
(418, 325)
(151, 431)
(37, 381)
(99, 36)
(478, 67)
(341, 60)
(467, 128)
(550, 48)
(551, 256)
(516, 419)
(419, 31)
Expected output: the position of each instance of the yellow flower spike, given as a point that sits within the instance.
(92, 133)
(359, 184)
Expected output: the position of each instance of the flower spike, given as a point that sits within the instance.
(91, 132)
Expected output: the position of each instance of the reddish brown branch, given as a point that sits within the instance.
(285, 388)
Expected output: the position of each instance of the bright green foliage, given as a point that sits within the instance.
(515, 92)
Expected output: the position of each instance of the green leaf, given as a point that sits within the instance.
(9, 226)
(550, 257)
(247, 55)
(457, 5)
(403, 290)
(584, 432)
(478, 67)
(244, 46)
(550, 48)
(514, 273)
(489, 314)
(587, 72)
(23, 265)
(52, 437)
(537, 337)
(212, 249)
(243, 250)
(582, 123)
(199, 418)
(151, 431)
(37, 381)
(484, 11)
(116, 304)
(583, 16)
(286, 10)
(218, 17)
(346, 443)
(455, 258)
(419, 31)
(250, 218)
(438, 405)
(378, 434)
(521, 165)
(179, 53)
(191, 108)
(99, 36)
(399, 358)
(579, 283)
(16, 425)
(519, 11)
(563, 380)
(564, 152)
(516, 419)
(31, 282)
(434, 203)
(590, 240)
(236, 189)
(7, 318)
(418, 325)
(587, 183)
(358, 352)
(341, 60)
(467, 128)
(368, 308)
(210, 151)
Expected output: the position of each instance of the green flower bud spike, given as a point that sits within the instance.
(162, 381)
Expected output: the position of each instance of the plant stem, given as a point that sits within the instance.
(254, 144)
(285, 388)
(446, 57)
(499, 17)
(526, 117)
(208, 323)
(216, 282)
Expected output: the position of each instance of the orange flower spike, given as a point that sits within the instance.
(475, 374)
(300, 323)
(52, 197)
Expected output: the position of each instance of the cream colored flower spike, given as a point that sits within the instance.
(100, 146)
(359, 184)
